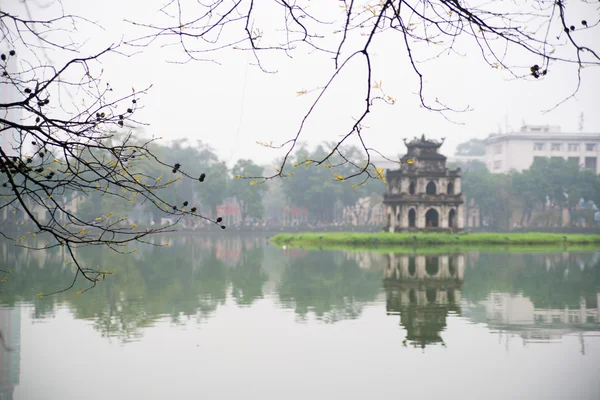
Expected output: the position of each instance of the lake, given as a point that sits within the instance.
(227, 317)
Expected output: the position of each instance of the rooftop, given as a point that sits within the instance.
(423, 143)
(540, 132)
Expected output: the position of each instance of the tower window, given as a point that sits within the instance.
(431, 189)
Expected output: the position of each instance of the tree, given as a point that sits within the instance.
(561, 182)
(249, 196)
(248, 277)
(313, 188)
(204, 158)
(328, 284)
(525, 41)
(493, 193)
(530, 191)
(473, 147)
(478, 185)
(274, 201)
(217, 186)
(59, 135)
(470, 165)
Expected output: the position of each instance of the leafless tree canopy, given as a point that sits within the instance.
(508, 34)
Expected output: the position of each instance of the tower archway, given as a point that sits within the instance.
(432, 265)
(451, 218)
(412, 266)
(431, 295)
(411, 188)
(412, 218)
(432, 218)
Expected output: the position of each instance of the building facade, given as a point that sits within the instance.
(518, 150)
(423, 195)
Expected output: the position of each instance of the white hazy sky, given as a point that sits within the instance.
(233, 105)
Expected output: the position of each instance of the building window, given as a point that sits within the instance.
(573, 147)
(538, 147)
(590, 147)
(573, 160)
(498, 148)
(555, 147)
(497, 164)
(590, 163)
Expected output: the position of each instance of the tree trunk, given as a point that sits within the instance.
(243, 211)
(523, 214)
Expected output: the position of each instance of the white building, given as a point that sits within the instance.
(518, 150)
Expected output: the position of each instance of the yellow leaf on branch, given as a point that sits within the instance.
(380, 174)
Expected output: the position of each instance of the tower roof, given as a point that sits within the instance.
(424, 143)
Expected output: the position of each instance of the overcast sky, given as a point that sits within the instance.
(233, 105)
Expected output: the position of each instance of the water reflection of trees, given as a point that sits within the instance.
(193, 277)
(550, 280)
(423, 290)
(188, 280)
(328, 284)
(539, 297)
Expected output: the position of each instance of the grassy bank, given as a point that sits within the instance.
(476, 240)
(422, 249)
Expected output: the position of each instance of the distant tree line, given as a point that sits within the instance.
(473, 147)
(547, 186)
(315, 188)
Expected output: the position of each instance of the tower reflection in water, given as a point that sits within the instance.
(424, 290)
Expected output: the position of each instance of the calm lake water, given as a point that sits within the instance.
(236, 318)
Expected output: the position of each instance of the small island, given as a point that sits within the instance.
(424, 206)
